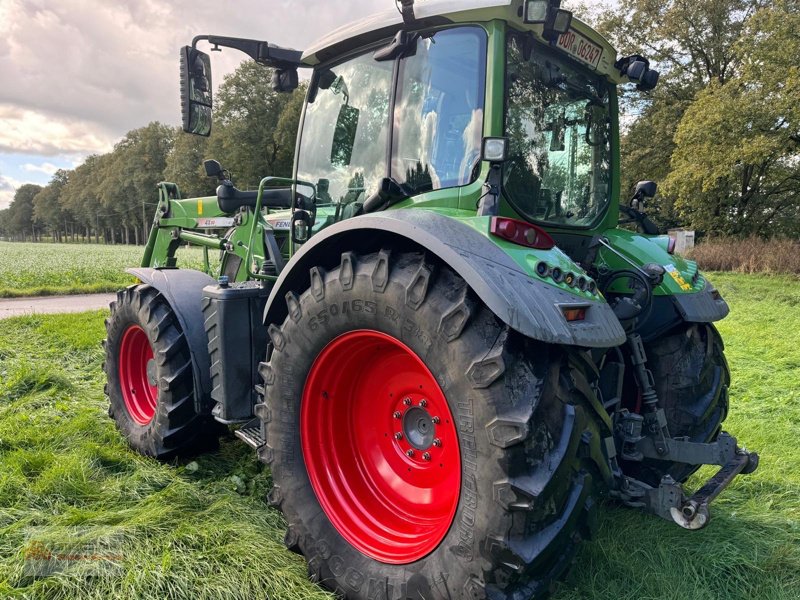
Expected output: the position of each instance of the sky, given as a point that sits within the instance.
(76, 75)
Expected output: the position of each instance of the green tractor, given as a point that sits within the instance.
(436, 335)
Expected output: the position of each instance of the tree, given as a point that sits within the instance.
(691, 44)
(20, 212)
(47, 208)
(249, 137)
(185, 165)
(128, 189)
(736, 167)
(81, 194)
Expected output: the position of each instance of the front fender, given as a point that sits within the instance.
(525, 304)
(183, 289)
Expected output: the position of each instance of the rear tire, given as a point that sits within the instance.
(528, 458)
(692, 378)
(150, 384)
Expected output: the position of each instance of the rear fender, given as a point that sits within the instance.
(183, 289)
(525, 304)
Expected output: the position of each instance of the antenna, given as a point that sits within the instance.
(407, 10)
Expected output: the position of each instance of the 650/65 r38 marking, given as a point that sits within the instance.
(383, 496)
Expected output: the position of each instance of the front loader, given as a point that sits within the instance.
(435, 334)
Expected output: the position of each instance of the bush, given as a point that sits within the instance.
(749, 255)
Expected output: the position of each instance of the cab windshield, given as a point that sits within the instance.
(418, 120)
(558, 124)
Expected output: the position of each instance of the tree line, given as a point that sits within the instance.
(720, 133)
(111, 197)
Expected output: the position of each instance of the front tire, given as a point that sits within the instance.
(496, 509)
(150, 385)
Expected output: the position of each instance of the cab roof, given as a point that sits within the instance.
(433, 13)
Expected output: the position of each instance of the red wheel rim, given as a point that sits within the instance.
(380, 446)
(137, 375)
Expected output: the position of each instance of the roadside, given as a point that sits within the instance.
(14, 307)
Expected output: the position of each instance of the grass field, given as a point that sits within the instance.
(43, 269)
(201, 529)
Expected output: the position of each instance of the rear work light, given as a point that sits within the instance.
(520, 232)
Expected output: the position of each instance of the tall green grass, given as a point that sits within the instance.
(200, 528)
(28, 269)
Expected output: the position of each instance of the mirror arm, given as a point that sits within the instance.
(264, 53)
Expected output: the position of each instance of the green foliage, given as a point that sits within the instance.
(721, 130)
(28, 269)
(18, 217)
(254, 127)
(738, 145)
(47, 210)
(201, 528)
(185, 165)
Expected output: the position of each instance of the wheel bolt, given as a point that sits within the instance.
(407, 401)
(423, 403)
(436, 420)
(426, 456)
(409, 452)
(398, 436)
(397, 414)
(437, 442)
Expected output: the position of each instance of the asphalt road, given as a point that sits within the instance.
(14, 307)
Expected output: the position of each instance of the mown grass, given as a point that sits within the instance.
(44, 269)
(202, 529)
(197, 529)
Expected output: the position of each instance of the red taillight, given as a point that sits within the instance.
(575, 313)
(520, 232)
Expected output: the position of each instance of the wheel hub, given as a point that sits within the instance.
(418, 428)
(380, 446)
(137, 375)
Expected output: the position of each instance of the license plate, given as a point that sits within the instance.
(586, 51)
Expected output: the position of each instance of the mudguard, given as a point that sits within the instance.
(183, 289)
(529, 306)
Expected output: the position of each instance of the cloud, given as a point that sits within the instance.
(31, 132)
(78, 74)
(84, 72)
(8, 188)
(46, 168)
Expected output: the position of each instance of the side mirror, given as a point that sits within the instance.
(214, 169)
(636, 70)
(285, 80)
(300, 226)
(195, 73)
(645, 189)
(649, 81)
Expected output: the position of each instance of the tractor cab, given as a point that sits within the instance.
(400, 106)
